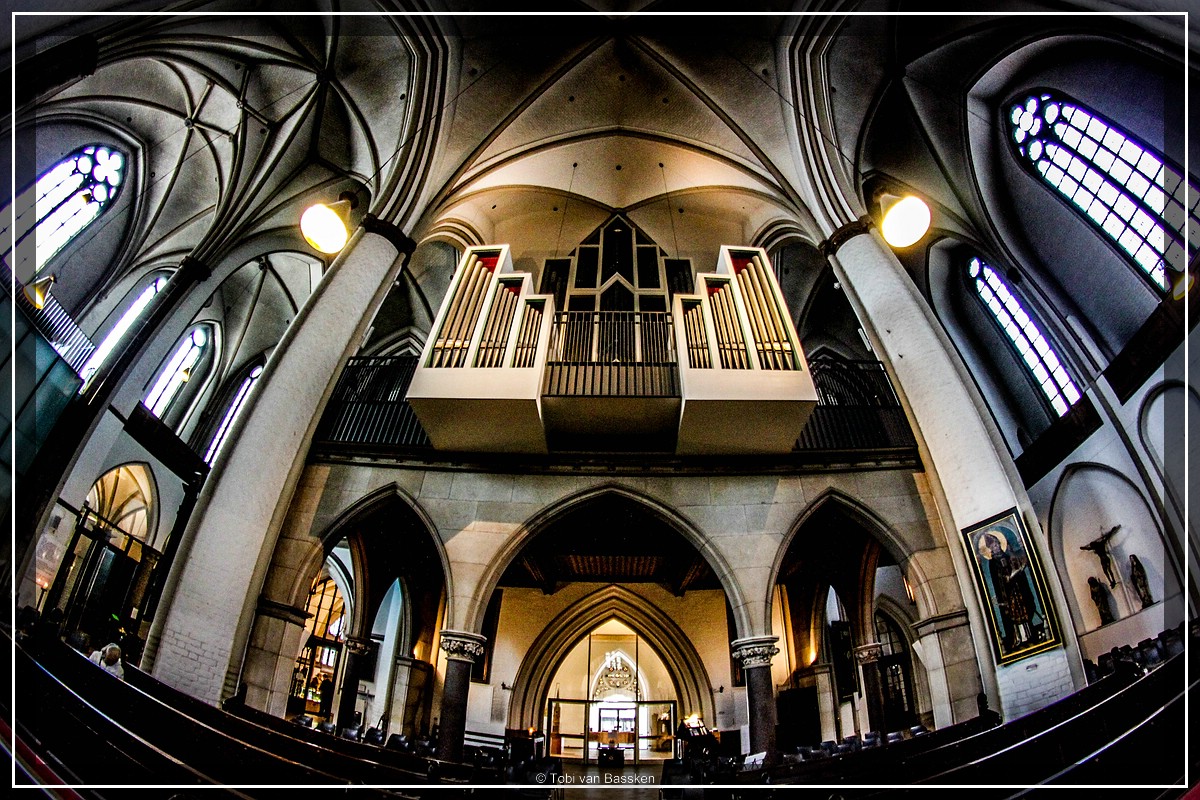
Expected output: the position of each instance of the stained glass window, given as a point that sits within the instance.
(1120, 185)
(235, 406)
(1035, 352)
(178, 371)
(64, 200)
(131, 315)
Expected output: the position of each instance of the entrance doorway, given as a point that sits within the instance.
(614, 701)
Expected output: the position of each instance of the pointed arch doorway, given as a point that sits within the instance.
(612, 694)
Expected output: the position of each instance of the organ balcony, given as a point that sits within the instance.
(621, 369)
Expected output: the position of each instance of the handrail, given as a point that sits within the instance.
(52, 321)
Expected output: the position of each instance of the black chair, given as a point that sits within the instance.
(895, 736)
(304, 721)
(327, 727)
(373, 736)
(918, 730)
(398, 741)
(352, 732)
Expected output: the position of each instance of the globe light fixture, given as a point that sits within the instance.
(327, 226)
(905, 219)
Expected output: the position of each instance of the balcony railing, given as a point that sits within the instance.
(612, 354)
(857, 409)
(368, 406)
(53, 322)
(858, 415)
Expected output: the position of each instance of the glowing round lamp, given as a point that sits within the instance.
(905, 220)
(324, 226)
(1183, 285)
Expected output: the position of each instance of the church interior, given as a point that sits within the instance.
(421, 396)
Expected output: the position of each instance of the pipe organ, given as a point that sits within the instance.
(477, 386)
(484, 381)
(744, 362)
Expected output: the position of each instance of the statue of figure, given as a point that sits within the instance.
(1100, 548)
(1100, 598)
(1137, 576)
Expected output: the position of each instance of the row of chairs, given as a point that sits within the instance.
(852, 744)
(372, 736)
(1148, 654)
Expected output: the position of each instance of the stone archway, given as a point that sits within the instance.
(531, 688)
(556, 513)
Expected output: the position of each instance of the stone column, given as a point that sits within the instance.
(355, 650)
(279, 635)
(201, 631)
(461, 649)
(960, 446)
(754, 654)
(867, 657)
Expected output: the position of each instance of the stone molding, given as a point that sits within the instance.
(755, 651)
(462, 645)
(942, 622)
(868, 653)
(274, 610)
(844, 234)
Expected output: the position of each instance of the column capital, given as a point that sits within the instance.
(399, 240)
(359, 646)
(276, 610)
(844, 234)
(462, 645)
(193, 270)
(755, 651)
(868, 653)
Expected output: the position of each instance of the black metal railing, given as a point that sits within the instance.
(368, 406)
(857, 409)
(53, 322)
(612, 354)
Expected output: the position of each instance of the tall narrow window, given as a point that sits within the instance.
(1120, 185)
(1037, 354)
(178, 371)
(131, 315)
(239, 398)
(65, 200)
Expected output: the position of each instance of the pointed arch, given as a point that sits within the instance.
(1088, 519)
(554, 513)
(361, 509)
(693, 689)
(859, 512)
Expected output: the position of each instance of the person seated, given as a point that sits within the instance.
(109, 659)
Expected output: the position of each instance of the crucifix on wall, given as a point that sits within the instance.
(1099, 546)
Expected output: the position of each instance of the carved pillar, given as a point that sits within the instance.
(867, 656)
(461, 649)
(754, 654)
(355, 651)
(279, 634)
(204, 618)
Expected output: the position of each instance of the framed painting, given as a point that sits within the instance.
(1012, 587)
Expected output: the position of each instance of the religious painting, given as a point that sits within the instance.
(1012, 586)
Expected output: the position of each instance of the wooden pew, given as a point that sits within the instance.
(107, 732)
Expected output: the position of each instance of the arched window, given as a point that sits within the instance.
(235, 406)
(1124, 188)
(179, 370)
(1037, 354)
(131, 315)
(65, 200)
